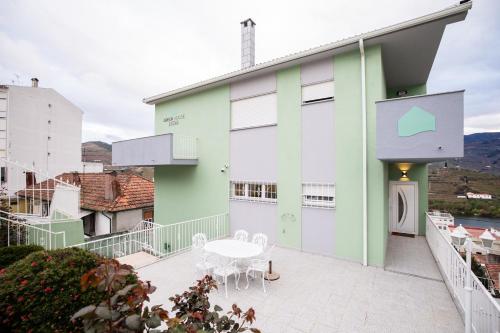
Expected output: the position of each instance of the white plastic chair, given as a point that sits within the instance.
(241, 235)
(260, 265)
(260, 239)
(226, 267)
(202, 262)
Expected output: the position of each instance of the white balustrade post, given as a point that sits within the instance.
(468, 287)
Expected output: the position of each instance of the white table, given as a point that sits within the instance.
(234, 249)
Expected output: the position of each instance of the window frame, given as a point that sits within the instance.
(252, 188)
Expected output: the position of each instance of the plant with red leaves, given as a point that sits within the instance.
(123, 310)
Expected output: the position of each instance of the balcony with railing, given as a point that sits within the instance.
(37, 209)
(474, 302)
(421, 128)
(164, 149)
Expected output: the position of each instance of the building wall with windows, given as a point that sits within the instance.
(41, 129)
(282, 153)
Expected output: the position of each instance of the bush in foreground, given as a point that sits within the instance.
(11, 254)
(40, 292)
(123, 310)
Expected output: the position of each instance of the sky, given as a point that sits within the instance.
(106, 56)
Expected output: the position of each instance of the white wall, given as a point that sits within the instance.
(128, 219)
(92, 167)
(101, 223)
(30, 123)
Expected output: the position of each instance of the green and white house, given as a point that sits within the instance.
(325, 150)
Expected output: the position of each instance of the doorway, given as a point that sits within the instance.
(403, 207)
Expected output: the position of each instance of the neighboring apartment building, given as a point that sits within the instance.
(109, 202)
(324, 150)
(39, 129)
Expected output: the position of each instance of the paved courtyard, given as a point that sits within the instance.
(321, 294)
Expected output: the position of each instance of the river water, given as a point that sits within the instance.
(481, 222)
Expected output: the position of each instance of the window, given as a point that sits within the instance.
(318, 195)
(3, 174)
(271, 191)
(318, 92)
(254, 112)
(3, 105)
(239, 189)
(254, 191)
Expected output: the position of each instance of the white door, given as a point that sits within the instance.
(403, 204)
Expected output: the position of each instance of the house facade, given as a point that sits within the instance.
(108, 202)
(324, 150)
(39, 129)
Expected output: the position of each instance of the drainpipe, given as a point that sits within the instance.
(363, 124)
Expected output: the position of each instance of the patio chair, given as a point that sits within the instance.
(260, 239)
(203, 263)
(226, 267)
(241, 235)
(260, 265)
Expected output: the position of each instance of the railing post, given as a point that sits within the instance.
(468, 287)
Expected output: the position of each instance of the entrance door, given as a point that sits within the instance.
(403, 207)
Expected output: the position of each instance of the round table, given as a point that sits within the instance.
(235, 249)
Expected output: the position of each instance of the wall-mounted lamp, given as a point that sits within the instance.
(404, 168)
(404, 175)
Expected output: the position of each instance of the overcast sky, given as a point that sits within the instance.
(105, 56)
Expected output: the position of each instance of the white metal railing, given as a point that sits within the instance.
(485, 309)
(30, 192)
(17, 231)
(157, 239)
(185, 147)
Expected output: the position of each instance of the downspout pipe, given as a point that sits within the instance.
(363, 124)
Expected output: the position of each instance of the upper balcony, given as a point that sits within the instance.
(421, 128)
(164, 149)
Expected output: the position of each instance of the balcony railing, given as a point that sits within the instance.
(35, 196)
(159, 240)
(164, 149)
(485, 310)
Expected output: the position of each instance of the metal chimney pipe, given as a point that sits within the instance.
(34, 82)
(247, 43)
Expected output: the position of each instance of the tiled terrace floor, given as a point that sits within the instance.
(411, 256)
(321, 294)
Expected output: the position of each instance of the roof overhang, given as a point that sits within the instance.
(408, 47)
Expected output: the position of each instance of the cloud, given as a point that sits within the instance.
(483, 123)
(105, 56)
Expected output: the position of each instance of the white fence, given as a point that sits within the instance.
(485, 310)
(185, 147)
(157, 239)
(30, 192)
(18, 231)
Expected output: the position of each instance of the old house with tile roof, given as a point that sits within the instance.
(109, 202)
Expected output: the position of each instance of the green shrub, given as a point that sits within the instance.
(41, 292)
(11, 254)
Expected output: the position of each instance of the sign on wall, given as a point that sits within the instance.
(173, 120)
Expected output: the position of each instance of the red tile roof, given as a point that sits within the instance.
(132, 191)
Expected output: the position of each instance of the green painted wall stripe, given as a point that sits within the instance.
(378, 207)
(348, 156)
(289, 157)
(188, 192)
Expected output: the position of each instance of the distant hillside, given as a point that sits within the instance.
(481, 153)
(96, 151)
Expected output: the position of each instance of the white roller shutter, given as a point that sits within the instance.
(318, 91)
(254, 112)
